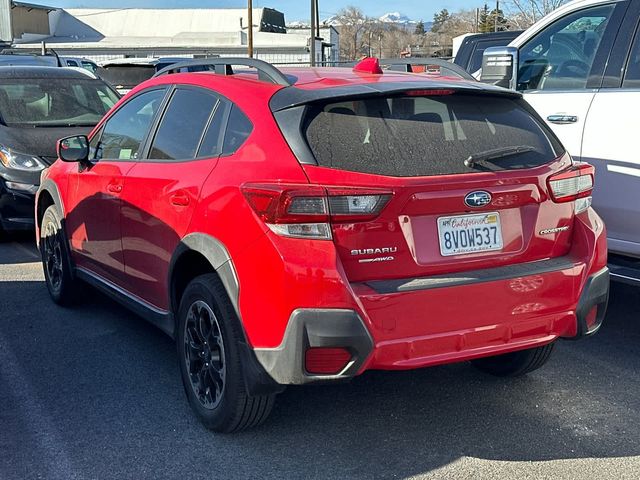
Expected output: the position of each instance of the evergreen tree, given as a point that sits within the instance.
(420, 28)
(485, 24)
(439, 19)
(497, 19)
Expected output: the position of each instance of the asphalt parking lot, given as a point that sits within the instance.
(94, 392)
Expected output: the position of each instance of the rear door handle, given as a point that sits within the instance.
(114, 188)
(562, 119)
(180, 199)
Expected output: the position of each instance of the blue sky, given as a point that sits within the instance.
(293, 9)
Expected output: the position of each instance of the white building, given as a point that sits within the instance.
(104, 34)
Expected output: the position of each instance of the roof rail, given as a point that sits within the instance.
(224, 66)
(406, 64)
(49, 52)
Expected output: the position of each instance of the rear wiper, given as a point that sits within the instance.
(497, 153)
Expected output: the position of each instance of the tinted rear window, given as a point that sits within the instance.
(410, 136)
(126, 75)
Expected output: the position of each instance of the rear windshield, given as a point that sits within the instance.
(409, 136)
(127, 76)
(54, 102)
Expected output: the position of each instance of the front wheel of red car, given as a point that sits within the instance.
(515, 364)
(209, 359)
(55, 258)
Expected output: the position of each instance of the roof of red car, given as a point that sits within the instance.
(319, 77)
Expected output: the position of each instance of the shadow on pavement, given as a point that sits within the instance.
(94, 392)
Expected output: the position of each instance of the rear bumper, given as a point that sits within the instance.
(413, 323)
(312, 328)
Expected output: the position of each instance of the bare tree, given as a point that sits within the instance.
(353, 24)
(524, 13)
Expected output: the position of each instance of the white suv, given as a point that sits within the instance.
(579, 67)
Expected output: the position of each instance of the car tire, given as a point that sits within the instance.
(209, 358)
(515, 364)
(56, 259)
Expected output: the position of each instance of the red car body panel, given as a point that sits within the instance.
(130, 240)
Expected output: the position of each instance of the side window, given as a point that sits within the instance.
(239, 128)
(124, 132)
(562, 55)
(212, 142)
(183, 124)
(632, 75)
(72, 63)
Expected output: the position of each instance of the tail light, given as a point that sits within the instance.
(306, 211)
(573, 185)
(326, 361)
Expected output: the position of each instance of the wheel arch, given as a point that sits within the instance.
(197, 254)
(48, 194)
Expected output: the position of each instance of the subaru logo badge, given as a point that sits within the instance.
(477, 199)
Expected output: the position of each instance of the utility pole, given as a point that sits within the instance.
(312, 50)
(250, 33)
(317, 19)
(495, 17)
(477, 20)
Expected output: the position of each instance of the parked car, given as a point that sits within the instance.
(579, 67)
(10, 58)
(39, 105)
(306, 225)
(80, 62)
(469, 55)
(126, 73)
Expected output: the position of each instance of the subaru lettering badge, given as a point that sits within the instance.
(477, 199)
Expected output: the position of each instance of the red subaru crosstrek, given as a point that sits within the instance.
(306, 225)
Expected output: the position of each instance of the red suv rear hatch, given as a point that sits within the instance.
(428, 182)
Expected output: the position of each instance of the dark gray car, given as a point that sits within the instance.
(39, 105)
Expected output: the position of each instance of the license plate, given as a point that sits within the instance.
(463, 234)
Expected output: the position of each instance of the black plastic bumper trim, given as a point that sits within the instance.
(316, 328)
(595, 293)
(471, 277)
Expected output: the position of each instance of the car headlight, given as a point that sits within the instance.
(20, 161)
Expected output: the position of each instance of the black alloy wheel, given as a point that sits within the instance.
(52, 256)
(56, 260)
(204, 354)
(209, 337)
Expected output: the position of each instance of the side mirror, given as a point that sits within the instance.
(500, 67)
(73, 149)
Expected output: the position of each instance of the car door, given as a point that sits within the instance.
(610, 144)
(93, 204)
(560, 69)
(162, 189)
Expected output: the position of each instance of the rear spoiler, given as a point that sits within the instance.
(290, 97)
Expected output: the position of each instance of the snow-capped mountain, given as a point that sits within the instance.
(391, 18)
(396, 17)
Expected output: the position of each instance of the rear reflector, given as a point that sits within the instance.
(306, 211)
(572, 184)
(326, 361)
(592, 318)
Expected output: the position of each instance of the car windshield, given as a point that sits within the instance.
(54, 102)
